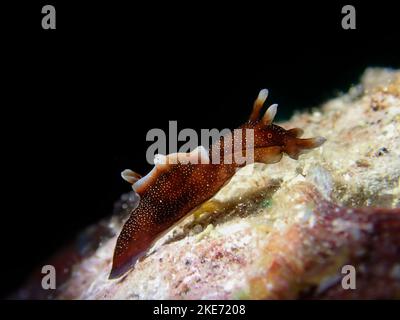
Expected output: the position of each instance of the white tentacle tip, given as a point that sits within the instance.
(160, 159)
(270, 114)
(262, 96)
(319, 141)
(130, 176)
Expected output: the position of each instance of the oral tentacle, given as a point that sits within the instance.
(130, 176)
(296, 132)
(295, 147)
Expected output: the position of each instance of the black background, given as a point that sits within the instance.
(78, 101)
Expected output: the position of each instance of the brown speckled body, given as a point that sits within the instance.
(170, 198)
(171, 191)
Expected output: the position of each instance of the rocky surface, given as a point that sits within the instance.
(281, 231)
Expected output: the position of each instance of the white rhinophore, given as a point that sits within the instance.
(269, 114)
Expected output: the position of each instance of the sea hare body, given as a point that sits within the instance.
(180, 182)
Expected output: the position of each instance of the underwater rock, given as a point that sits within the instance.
(277, 231)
